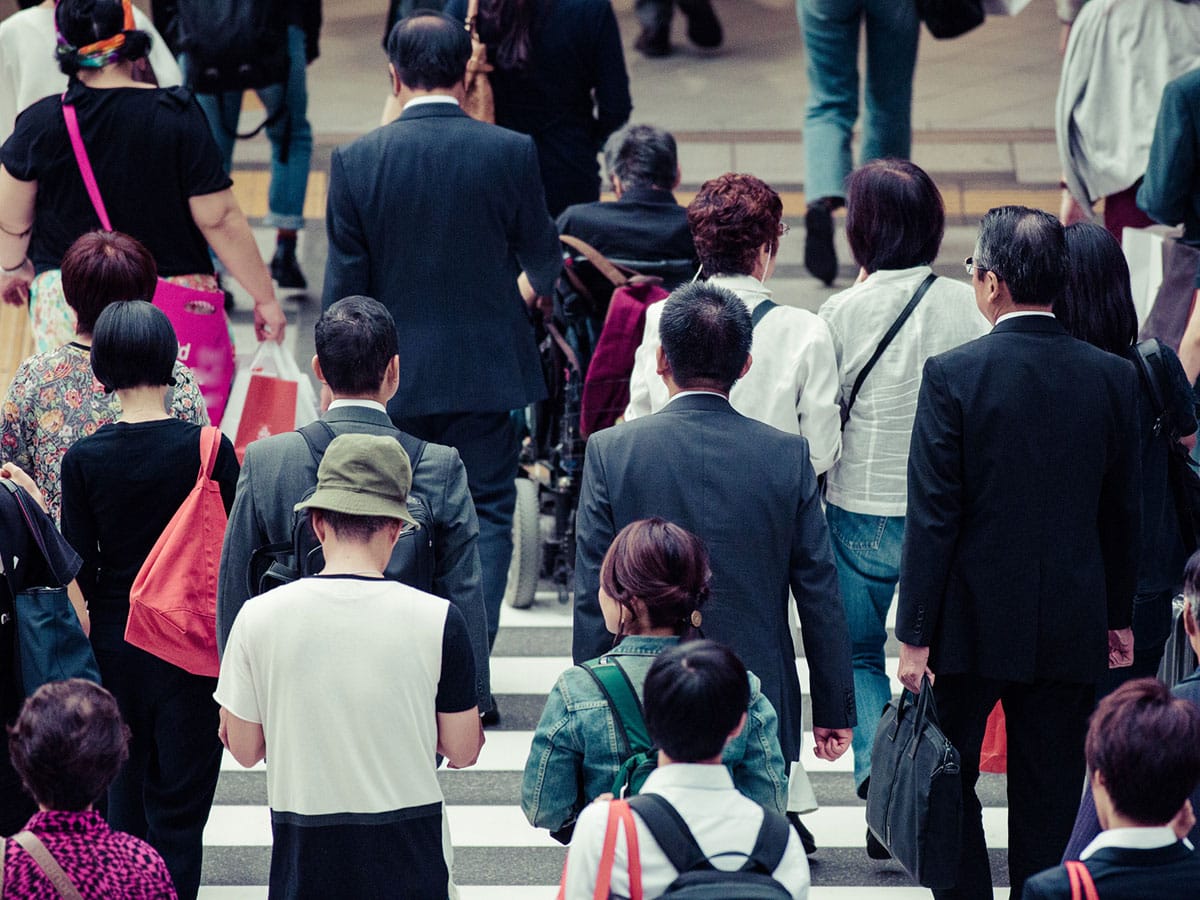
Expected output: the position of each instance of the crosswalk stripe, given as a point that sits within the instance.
(549, 892)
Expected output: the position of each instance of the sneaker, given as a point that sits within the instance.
(819, 256)
(654, 43)
(875, 849)
(704, 28)
(807, 841)
(284, 267)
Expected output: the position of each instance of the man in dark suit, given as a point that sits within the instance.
(436, 215)
(358, 365)
(749, 491)
(1143, 757)
(1020, 549)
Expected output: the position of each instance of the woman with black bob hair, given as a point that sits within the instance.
(653, 582)
(68, 744)
(158, 171)
(1097, 307)
(121, 487)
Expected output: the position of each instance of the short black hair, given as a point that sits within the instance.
(133, 345)
(694, 695)
(642, 156)
(706, 334)
(1025, 248)
(1146, 746)
(68, 744)
(895, 217)
(1097, 303)
(104, 267)
(84, 22)
(356, 339)
(429, 50)
(352, 528)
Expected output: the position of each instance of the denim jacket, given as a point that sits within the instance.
(575, 754)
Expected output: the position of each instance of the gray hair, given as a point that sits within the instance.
(642, 156)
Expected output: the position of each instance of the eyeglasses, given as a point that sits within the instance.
(971, 266)
(784, 228)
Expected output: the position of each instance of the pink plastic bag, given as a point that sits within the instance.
(204, 345)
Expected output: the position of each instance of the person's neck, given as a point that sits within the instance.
(639, 630)
(83, 340)
(143, 404)
(664, 760)
(1005, 309)
(673, 388)
(1116, 819)
(349, 558)
(408, 94)
(118, 74)
(376, 397)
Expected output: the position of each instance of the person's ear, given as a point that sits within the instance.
(391, 375)
(662, 367)
(737, 729)
(316, 367)
(746, 367)
(317, 520)
(395, 80)
(1190, 625)
(678, 178)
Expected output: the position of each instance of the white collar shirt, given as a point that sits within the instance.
(1131, 839)
(792, 382)
(362, 404)
(428, 99)
(1045, 314)
(724, 823)
(871, 475)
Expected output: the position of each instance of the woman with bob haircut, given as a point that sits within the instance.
(68, 744)
(653, 582)
(737, 223)
(121, 486)
(54, 399)
(895, 220)
(157, 167)
(1097, 307)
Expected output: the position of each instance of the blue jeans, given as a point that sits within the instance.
(290, 135)
(866, 550)
(831, 30)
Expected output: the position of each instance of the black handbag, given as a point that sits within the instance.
(950, 18)
(1178, 659)
(914, 801)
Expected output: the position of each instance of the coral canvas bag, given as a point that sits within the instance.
(173, 602)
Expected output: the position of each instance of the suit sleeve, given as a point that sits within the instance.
(457, 575)
(1049, 885)
(814, 582)
(935, 508)
(1120, 513)
(348, 267)
(1166, 190)
(243, 534)
(595, 530)
(534, 237)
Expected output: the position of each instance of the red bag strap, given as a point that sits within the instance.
(619, 816)
(1082, 886)
(85, 165)
(208, 451)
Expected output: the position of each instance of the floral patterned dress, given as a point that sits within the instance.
(54, 400)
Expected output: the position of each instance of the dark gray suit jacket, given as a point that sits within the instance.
(435, 215)
(749, 491)
(277, 472)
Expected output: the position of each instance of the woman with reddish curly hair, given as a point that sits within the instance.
(653, 581)
(737, 223)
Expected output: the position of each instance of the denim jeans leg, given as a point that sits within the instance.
(291, 140)
(831, 30)
(892, 33)
(654, 15)
(866, 550)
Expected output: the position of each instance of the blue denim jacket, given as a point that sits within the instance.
(574, 757)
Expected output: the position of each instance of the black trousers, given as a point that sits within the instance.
(1047, 724)
(165, 791)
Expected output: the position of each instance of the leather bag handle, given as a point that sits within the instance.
(602, 263)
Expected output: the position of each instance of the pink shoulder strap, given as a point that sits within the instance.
(85, 165)
(1082, 886)
(210, 446)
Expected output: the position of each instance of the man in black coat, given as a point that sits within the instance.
(436, 215)
(749, 491)
(1020, 548)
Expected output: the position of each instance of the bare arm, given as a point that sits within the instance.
(17, 200)
(245, 740)
(460, 737)
(224, 226)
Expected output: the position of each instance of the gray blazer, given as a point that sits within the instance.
(750, 492)
(278, 471)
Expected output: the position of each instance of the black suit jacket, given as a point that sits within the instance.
(645, 224)
(1165, 873)
(1021, 542)
(435, 215)
(748, 490)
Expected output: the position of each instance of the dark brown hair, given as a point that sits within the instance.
(895, 216)
(104, 267)
(68, 744)
(663, 566)
(1146, 745)
(731, 218)
(1097, 303)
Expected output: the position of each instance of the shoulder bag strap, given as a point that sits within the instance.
(770, 845)
(210, 446)
(45, 860)
(760, 312)
(318, 435)
(1082, 886)
(1147, 350)
(670, 831)
(623, 699)
(30, 526)
(597, 259)
(619, 817)
(85, 165)
(883, 344)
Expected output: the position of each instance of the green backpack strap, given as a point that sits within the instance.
(626, 708)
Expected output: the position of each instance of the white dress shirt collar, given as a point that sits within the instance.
(693, 776)
(430, 98)
(365, 404)
(1128, 839)
(1026, 312)
(697, 394)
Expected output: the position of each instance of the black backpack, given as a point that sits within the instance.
(699, 879)
(233, 45)
(412, 560)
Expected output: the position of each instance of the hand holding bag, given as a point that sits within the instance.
(914, 803)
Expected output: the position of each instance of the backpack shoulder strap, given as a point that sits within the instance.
(318, 435)
(670, 831)
(1147, 352)
(413, 446)
(622, 700)
(31, 844)
(770, 845)
(760, 312)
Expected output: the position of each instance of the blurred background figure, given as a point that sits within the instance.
(703, 26)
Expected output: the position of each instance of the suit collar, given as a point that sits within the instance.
(640, 194)
(359, 414)
(698, 402)
(1130, 856)
(1036, 324)
(431, 110)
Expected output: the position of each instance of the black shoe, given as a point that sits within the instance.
(491, 718)
(704, 28)
(284, 268)
(654, 42)
(875, 849)
(806, 837)
(819, 256)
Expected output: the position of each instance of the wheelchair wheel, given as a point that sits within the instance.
(526, 564)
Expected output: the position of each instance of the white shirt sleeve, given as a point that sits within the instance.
(644, 382)
(235, 685)
(583, 860)
(817, 406)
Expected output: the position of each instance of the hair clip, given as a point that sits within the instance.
(696, 618)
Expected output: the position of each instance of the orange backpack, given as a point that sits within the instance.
(173, 602)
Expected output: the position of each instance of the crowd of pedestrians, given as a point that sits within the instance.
(1001, 455)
